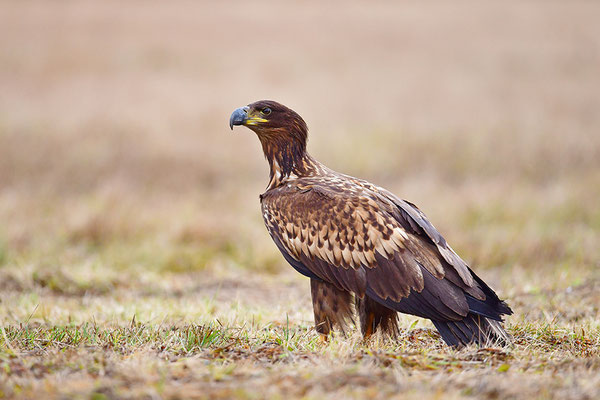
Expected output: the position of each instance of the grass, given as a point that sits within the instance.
(133, 259)
(89, 327)
(218, 361)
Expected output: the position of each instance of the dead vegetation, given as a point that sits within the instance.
(133, 260)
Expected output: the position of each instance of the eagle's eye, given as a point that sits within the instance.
(266, 111)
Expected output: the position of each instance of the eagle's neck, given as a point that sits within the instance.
(288, 159)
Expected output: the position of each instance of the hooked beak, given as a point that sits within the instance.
(238, 117)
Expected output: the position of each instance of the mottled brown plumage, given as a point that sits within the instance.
(357, 240)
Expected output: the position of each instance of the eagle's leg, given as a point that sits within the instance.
(332, 307)
(373, 315)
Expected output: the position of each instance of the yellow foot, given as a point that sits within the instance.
(324, 339)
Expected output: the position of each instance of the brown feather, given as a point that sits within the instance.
(331, 306)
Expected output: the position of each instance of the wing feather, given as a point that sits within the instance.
(418, 222)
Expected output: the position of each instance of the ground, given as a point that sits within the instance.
(133, 260)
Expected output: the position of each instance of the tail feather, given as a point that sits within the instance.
(473, 328)
(499, 332)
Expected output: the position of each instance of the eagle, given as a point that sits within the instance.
(365, 250)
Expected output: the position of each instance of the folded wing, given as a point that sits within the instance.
(368, 242)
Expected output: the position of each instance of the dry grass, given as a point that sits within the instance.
(133, 260)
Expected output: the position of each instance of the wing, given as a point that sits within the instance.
(414, 220)
(361, 241)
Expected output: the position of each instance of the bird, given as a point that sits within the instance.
(365, 250)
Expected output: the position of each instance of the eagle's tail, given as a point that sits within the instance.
(474, 328)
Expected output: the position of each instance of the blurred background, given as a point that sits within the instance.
(119, 174)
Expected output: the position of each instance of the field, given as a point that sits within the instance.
(133, 259)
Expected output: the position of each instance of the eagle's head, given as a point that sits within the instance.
(272, 122)
(282, 133)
